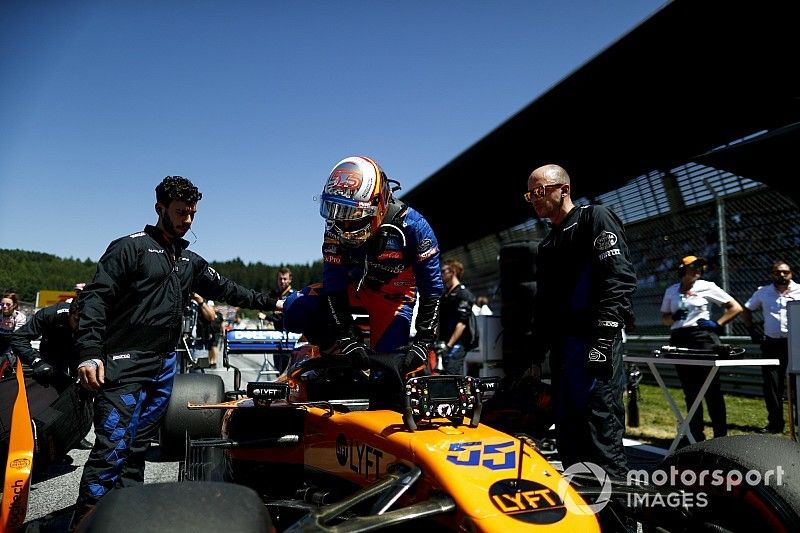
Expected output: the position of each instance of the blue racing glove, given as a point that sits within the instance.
(709, 325)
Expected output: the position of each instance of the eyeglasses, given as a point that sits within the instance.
(779, 272)
(540, 191)
(4, 304)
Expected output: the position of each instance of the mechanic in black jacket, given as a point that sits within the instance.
(57, 357)
(130, 324)
(585, 281)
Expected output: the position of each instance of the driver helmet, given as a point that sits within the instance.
(354, 200)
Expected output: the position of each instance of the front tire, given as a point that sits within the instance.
(198, 423)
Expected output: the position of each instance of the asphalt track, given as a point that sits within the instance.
(53, 493)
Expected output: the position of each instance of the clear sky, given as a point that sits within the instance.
(255, 101)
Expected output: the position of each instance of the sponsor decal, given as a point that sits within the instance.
(22, 463)
(608, 323)
(329, 249)
(18, 506)
(332, 259)
(424, 244)
(606, 255)
(153, 250)
(527, 501)
(596, 355)
(491, 455)
(427, 254)
(605, 240)
(341, 449)
(135, 235)
(360, 457)
(62, 311)
(390, 254)
(121, 356)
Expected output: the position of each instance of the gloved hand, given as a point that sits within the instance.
(680, 314)
(709, 325)
(354, 350)
(756, 334)
(42, 371)
(599, 361)
(416, 356)
(441, 348)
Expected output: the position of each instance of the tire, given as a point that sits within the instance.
(199, 507)
(747, 506)
(180, 420)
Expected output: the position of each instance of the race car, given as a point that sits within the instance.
(331, 448)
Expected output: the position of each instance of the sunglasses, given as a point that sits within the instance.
(779, 272)
(540, 191)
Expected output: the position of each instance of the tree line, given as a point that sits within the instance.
(26, 272)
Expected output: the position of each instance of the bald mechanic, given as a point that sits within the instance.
(585, 282)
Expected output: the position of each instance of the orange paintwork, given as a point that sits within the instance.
(19, 462)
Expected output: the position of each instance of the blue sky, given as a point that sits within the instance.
(255, 101)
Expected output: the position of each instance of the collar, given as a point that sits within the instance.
(158, 236)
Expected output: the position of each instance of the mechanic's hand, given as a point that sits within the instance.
(416, 357)
(680, 314)
(42, 371)
(709, 325)
(756, 334)
(599, 360)
(92, 374)
(441, 348)
(354, 350)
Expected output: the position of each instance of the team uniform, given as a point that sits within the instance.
(775, 345)
(131, 320)
(456, 306)
(585, 281)
(57, 346)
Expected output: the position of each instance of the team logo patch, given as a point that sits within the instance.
(596, 356)
(341, 449)
(424, 245)
(20, 464)
(605, 240)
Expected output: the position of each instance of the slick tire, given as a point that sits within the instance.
(757, 502)
(180, 420)
(199, 507)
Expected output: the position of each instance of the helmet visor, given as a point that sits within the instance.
(340, 209)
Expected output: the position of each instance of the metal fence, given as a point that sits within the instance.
(738, 224)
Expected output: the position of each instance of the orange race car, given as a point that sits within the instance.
(330, 448)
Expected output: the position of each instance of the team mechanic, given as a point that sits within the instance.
(377, 254)
(130, 324)
(585, 282)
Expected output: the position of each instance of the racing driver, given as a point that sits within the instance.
(378, 254)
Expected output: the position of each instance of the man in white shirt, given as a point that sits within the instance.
(771, 300)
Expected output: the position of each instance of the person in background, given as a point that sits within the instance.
(129, 328)
(773, 337)
(206, 326)
(378, 254)
(481, 306)
(11, 319)
(685, 309)
(455, 317)
(585, 284)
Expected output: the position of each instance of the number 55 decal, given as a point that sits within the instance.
(492, 456)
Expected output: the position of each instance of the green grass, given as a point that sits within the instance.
(657, 424)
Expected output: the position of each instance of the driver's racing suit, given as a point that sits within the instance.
(131, 319)
(383, 276)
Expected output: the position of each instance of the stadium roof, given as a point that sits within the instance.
(696, 76)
